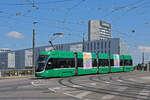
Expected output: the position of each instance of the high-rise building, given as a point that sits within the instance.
(4, 50)
(98, 30)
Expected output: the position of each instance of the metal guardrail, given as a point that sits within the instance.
(15, 72)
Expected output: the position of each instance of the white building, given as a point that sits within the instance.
(98, 29)
(7, 60)
(11, 60)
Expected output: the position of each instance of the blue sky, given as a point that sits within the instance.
(71, 17)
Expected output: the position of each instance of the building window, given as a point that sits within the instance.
(97, 45)
(87, 46)
(91, 46)
(94, 45)
(109, 44)
(109, 51)
(102, 45)
(105, 45)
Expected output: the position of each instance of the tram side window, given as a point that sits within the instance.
(71, 63)
(103, 62)
(111, 62)
(51, 64)
(106, 62)
(66, 63)
(80, 62)
(60, 63)
(128, 62)
(94, 62)
(121, 62)
(100, 62)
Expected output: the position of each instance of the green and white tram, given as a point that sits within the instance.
(69, 63)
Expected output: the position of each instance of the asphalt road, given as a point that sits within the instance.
(114, 86)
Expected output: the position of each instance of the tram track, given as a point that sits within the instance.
(71, 84)
(119, 83)
(121, 79)
(129, 81)
(142, 88)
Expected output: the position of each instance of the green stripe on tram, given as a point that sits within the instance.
(61, 54)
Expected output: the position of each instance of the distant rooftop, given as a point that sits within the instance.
(5, 49)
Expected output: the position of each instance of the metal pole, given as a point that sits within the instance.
(143, 61)
(83, 43)
(76, 67)
(123, 61)
(109, 65)
(33, 49)
(33, 52)
(97, 63)
(149, 65)
(51, 44)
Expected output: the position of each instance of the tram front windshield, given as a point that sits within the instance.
(42, 60)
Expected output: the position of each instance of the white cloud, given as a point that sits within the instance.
(145, 49)
(15, 34)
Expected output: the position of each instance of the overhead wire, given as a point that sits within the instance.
(135, 7)
(114, 9)
(31, 3)
(74, 6)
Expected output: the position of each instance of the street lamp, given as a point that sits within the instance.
(33, 48)
(55, 35)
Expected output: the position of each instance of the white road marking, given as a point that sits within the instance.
(53, 90)
(120, 80)
(34, 84)
(93, 84)
(37, 83)
(60, 89)
(108, 97)
(76, 86)
(87, 84)
(107, 82)
(79, 96)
